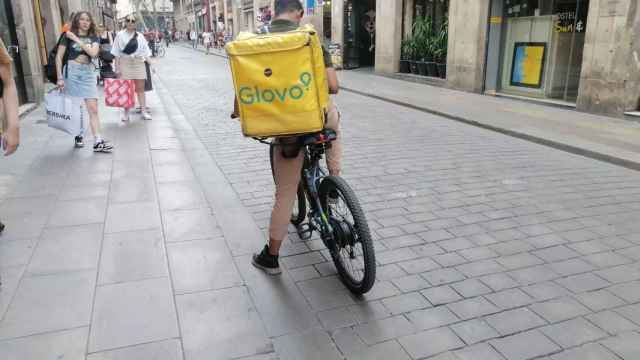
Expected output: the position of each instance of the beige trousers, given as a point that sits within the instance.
(287, 177)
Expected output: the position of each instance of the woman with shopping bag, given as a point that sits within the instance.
(9, 124)
(79, 77)
(132, 51)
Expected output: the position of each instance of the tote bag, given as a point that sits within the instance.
(119, 93)
(65, 113)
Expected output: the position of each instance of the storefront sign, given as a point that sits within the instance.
(570, 18)
(528, 64)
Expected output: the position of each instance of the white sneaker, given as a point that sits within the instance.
(146, 116)
(126, 116)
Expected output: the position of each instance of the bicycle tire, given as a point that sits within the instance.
(361, 227)
(301, 204)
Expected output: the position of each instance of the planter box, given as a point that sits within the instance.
(422, 68)
(413, 66)
(405, 67)
(442, 70)
(432, 69)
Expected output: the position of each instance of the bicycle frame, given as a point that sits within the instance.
(312, 175)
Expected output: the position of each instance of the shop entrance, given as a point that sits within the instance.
(542, 46)
(10, 39)
(326, 21)
(359, 33)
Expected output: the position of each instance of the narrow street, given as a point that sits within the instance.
(488, 247)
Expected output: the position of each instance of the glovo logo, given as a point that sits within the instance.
(256, 95)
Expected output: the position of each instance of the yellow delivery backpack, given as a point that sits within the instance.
(280, 82)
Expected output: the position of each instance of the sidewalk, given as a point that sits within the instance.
(103, 252)
(599, 137)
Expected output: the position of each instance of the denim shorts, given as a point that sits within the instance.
(81, 80)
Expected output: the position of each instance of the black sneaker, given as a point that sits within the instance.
(79, 142)
(267, 262)
(1, 227)
(102, 146)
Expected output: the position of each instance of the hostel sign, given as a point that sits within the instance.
(570, 18)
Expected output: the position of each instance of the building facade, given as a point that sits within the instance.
(576, 53)
(582, 53)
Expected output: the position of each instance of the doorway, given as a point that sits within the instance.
(10, 39)
(359, 33)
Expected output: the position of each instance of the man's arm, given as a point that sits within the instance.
(332, 79)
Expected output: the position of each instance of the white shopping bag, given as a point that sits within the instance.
(65, 113)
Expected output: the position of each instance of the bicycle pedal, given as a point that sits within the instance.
(305, 231)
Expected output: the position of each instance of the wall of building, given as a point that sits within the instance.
(388, 35)
(610, 78)
(467, 44)
(29, 49)
(53, 23)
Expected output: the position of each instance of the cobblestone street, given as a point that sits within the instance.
(488, 247)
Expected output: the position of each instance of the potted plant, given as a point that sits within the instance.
(406, 55)
(432, 69)
(422, 33)
(442, 42)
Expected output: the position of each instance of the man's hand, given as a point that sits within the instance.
(10, 140)
(60, 84)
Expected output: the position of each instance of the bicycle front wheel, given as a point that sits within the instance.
(353, 252)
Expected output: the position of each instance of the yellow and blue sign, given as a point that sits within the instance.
(528, 64)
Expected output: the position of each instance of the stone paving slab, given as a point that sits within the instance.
(484, 242)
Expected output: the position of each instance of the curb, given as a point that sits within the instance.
(629, 164)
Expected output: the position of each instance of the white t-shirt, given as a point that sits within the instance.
(121, 41)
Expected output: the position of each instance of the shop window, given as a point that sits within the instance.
(543, 42)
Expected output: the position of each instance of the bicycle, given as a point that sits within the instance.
(161, 51)
(347, 236)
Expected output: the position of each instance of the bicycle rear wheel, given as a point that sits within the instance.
(353, 253)
(300, 207)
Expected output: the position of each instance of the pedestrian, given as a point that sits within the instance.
(288, 161)
(131, 50)
(167, 37)
(9, 123)
(106, 38)
(79, 77)
(194, 38)
(219, 35)
(206, 39)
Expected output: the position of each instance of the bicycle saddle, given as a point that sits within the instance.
(322, 137)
